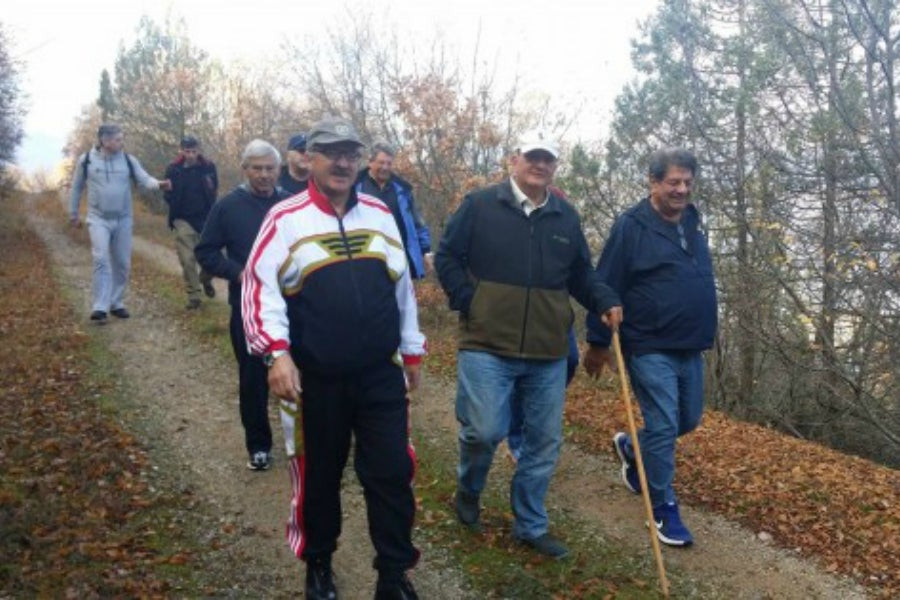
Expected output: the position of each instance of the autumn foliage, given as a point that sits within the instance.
(72, 482)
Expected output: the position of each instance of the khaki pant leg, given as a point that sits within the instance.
(186, 239)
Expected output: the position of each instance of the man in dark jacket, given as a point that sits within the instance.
(379, 180)
(232, 225)
(657, 259)
(509, 260)
(194, 187)
(294, 176)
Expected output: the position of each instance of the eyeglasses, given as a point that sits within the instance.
(334, 154)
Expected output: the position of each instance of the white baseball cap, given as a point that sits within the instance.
(537, 140)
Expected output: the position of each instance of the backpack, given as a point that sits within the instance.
(87, 161)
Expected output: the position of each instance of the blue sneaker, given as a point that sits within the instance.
(669, 528)
(629, 466)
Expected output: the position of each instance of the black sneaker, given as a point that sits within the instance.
(122, 313)
(547, 545)
(467, 509)
(193, 304)
(99, 316)
(320, 580)
(400, 589)
(259, 461)
(208, 289)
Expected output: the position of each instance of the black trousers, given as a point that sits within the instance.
(253, 390)
(372, 406)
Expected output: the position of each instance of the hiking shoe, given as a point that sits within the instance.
(669, 528)
(99, 316)
(259, 461)
(320, 579)
(208, 289)
(401, 589)
(467, 509)
(193, 304)
(122, 313)
(547, 545)
(629, 466)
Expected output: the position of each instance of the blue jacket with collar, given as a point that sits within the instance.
(413, 230)
(667, 287)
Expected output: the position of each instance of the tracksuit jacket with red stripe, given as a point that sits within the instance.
(335, 291)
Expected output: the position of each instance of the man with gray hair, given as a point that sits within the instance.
(232, 226)
(378, 179)
(107, 172)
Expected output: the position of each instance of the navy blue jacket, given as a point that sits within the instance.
(668, 291)
(232, 226)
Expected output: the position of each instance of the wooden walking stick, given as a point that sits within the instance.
(642, 475)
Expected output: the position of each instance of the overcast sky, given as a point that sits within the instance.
(576, 49)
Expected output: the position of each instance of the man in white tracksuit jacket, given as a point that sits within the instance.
(107, 176)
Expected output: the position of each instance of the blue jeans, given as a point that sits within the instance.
(514, 438)
(669, 389)
(486, 385)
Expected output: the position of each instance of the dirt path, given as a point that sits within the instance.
(190, 398)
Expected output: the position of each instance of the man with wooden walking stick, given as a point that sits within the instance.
(657, 259)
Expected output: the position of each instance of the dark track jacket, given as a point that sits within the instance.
(668, 292)
(510, 275)
(193, 191)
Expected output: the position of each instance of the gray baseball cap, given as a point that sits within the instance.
(332, 130)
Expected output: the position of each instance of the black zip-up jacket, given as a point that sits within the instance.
(510, 275)
(193, 191)
(232, 226)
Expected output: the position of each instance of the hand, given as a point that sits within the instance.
(74, 222)
(284, 378)
(413, 376)
(612, 318)
(165, 185)
(429, 262)
(595, 359)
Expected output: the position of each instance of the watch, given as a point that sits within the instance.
(269, 359)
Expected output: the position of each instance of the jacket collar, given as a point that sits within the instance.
(322, 203)
(506, 196)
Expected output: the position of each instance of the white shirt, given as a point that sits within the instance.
(528, 206)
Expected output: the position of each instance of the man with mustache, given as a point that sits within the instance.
(657, 258)
(329, 303)
(509, 259)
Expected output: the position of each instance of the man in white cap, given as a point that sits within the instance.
(524, 248)
(329, 304)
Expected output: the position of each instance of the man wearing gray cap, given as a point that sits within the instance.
(509, 259)
(329, 304)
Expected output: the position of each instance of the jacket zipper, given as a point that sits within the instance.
(528, 288)
(346, 243)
